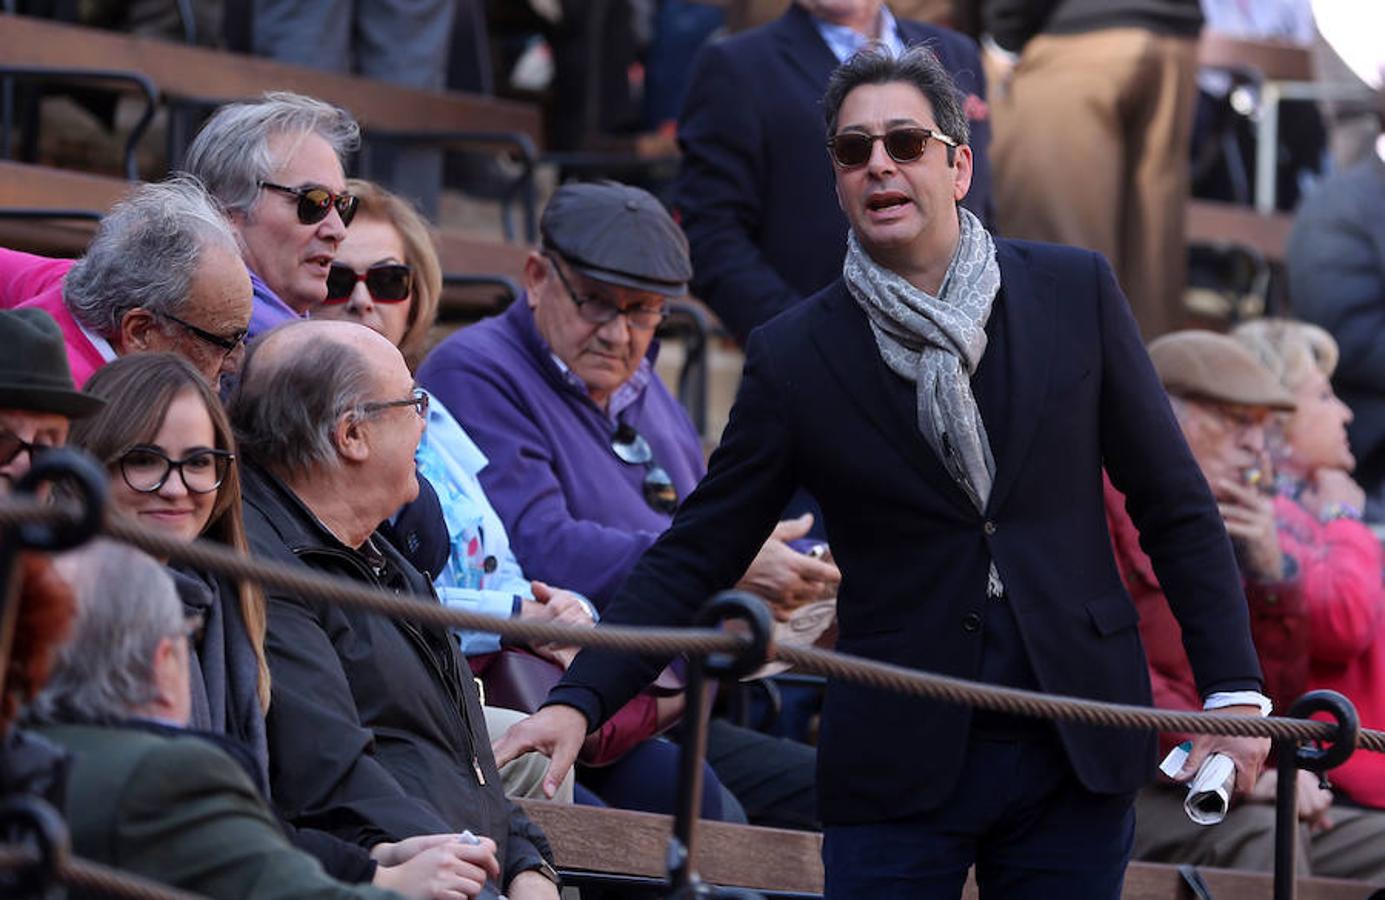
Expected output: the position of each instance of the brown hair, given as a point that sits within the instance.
(138, 390)
(419, 254)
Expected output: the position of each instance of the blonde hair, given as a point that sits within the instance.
(1289, 349)
(419, 254)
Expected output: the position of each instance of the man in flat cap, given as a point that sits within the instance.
(1224, 399)
(37, 398)
(588, 452)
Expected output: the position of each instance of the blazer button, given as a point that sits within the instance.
(971, 622)
(989, 527)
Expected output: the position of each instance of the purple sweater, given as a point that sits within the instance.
(576, 514)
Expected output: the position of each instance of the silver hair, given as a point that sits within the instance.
(285, 409)
(231, 153)
(126, 605)
(145, 253)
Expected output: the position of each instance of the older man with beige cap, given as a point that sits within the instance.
(1224, 399)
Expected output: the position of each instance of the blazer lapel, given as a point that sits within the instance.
(804, 50)
(1029, 324)
(844, 339)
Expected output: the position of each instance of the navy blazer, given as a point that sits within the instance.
(1065, 386)
(756, 192)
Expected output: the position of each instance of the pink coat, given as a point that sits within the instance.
(1340, 569)
(36, 281)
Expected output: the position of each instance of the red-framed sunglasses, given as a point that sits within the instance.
(389, 283)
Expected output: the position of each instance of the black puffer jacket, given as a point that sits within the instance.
(375, 728)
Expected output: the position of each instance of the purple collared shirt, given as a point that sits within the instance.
(268, 310)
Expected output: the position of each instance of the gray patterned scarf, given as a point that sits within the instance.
(937, 343)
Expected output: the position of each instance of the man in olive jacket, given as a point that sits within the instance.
(143, 794)
(375, 727)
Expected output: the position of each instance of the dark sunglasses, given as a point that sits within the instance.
(418, 399)
(314, 203)
(228, 343)
(389, 283)
(630, 447)
(146, 469)
(904, 145)
(11, 445)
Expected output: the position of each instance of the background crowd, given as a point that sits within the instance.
(249, 347)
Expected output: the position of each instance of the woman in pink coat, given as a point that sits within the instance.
(1319, 515)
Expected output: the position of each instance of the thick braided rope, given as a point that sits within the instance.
(80, 873)
(214, 557)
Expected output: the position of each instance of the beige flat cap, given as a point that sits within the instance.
(1204, 365)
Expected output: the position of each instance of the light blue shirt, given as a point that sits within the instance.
(844, 41)
(481, 574)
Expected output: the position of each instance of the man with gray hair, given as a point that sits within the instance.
(176, 806)
(376, 731)
(276, 165)
(161, 273)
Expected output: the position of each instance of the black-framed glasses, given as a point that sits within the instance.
(598, 311)
(904, 145)
(314, 203)
(387, 283)
(146, 469)
(228, 343)
(630, 447)
(11, 445)
(418, 399)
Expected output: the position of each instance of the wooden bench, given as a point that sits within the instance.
(188, 76)
(589, 841)
(1211, 222)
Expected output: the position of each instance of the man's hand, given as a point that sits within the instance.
(1249, 518)
(1314, 800)
(531, 886)
(786, 578)
(555, 731)
(1247, 753)
(444, 869)
(553, 605)
(1330, 487)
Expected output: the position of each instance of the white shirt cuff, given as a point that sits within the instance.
(1222, 699)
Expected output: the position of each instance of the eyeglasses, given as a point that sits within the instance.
(904, 145)
(11, 445)
(630, 447)
(229, 344)
(418, 399)
(599, 312)
(146, 469)
(314, 203)
(386, 283)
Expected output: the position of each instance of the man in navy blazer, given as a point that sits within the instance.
(754, 193)
(968, 523)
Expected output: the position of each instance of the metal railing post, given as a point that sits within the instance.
(726, 606)
(1290, 757)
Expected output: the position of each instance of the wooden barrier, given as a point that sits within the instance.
(620, 842)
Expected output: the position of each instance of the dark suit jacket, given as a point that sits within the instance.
(756, 193)
(1064, 387)
(179, 810)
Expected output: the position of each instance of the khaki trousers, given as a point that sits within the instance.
(1090, 147)
(523, 777)
(1353, 848)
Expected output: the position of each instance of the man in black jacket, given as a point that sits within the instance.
(375, 729)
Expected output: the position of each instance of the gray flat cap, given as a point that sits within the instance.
(619, 234)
